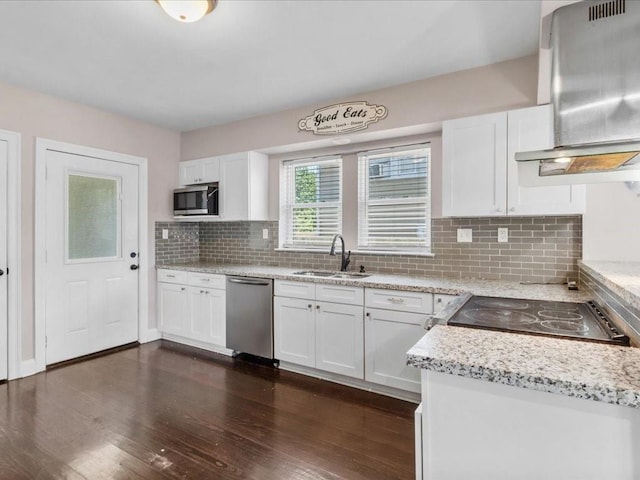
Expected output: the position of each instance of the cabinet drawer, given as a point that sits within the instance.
(413, 302)
(172, 276)
(286, 288)
(208, 280)
(339, 294)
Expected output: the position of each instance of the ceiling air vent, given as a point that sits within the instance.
(606, 9)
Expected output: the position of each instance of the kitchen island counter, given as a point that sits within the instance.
(586, 370)
(490, 288)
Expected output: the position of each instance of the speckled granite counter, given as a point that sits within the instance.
(585, 370)
(491, 288)
(623, 278)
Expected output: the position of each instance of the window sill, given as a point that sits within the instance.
(359, 252)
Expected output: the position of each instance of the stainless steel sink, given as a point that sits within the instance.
(313, 273)
(352, 275)
(321, 274)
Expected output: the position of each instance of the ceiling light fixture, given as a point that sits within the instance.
(187, 11)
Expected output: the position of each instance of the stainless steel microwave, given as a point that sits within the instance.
(196, 200)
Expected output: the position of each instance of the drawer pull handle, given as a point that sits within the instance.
(206, 279)
(396, 300)
(171, 276)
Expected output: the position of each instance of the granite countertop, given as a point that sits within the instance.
(623, 278)
(592, 371)
(490, 288)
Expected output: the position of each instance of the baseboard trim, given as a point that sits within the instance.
(28, 368)
(151, 335)
(352, 382)
(195, 343)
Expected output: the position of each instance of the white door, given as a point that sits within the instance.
(91, 255)
(4, 161)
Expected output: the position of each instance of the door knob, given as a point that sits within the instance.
(1, 272)
(133, 267)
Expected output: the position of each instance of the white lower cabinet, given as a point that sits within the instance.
(389, 335)
(192, 306)
(172, 305)
(207, 315)
(394, 322)
(294, 328)
(340, 339)
(318, 334)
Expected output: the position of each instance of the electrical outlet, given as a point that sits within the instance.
(503, 235)
(465, 235)
(165, 234)
(265, 233)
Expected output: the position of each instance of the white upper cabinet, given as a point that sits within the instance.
(243, 180)
(532, 129)
(474, 151)
(480, 175)
(203, 170)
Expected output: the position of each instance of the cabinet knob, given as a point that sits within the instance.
(310, 306)
(317, 307)
(499, 209)
(183, 289)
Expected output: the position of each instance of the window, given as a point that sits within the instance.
(310, 202)
(394, 208)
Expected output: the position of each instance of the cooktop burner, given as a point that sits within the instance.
(583, 321)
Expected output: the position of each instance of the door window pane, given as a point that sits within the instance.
(92, 217)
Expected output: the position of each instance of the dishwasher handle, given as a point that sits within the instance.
(248, 281)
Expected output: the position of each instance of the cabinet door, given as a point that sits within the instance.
(340, 339)
(388, 337)
(209, 169)
(294, 330)
(234, 185)
(532, 129)
(189, 172)
(474, 170)
(173, 310)
(207, 320)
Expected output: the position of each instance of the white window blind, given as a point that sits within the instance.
(310, 202)
(394, 207)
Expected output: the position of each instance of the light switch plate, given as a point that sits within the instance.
(265, 233)
(465, 235)
(503, 235)
(165, 234)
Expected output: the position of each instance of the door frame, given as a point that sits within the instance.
(14, 326)
(40, 267)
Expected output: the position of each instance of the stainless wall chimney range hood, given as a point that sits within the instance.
(595, 92)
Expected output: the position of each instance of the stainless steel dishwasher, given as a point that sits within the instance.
(249, 316)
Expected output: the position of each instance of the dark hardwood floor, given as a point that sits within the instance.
(160, 411)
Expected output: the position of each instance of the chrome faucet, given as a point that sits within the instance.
(345, 258)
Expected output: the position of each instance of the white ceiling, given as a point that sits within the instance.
(249, 57)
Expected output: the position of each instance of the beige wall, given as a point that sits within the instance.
(492, 88)
(502, 86)
(611, 224)
(34, 115)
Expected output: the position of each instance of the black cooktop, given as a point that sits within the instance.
(580, 321)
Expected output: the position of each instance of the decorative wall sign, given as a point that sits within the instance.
(342, 118)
